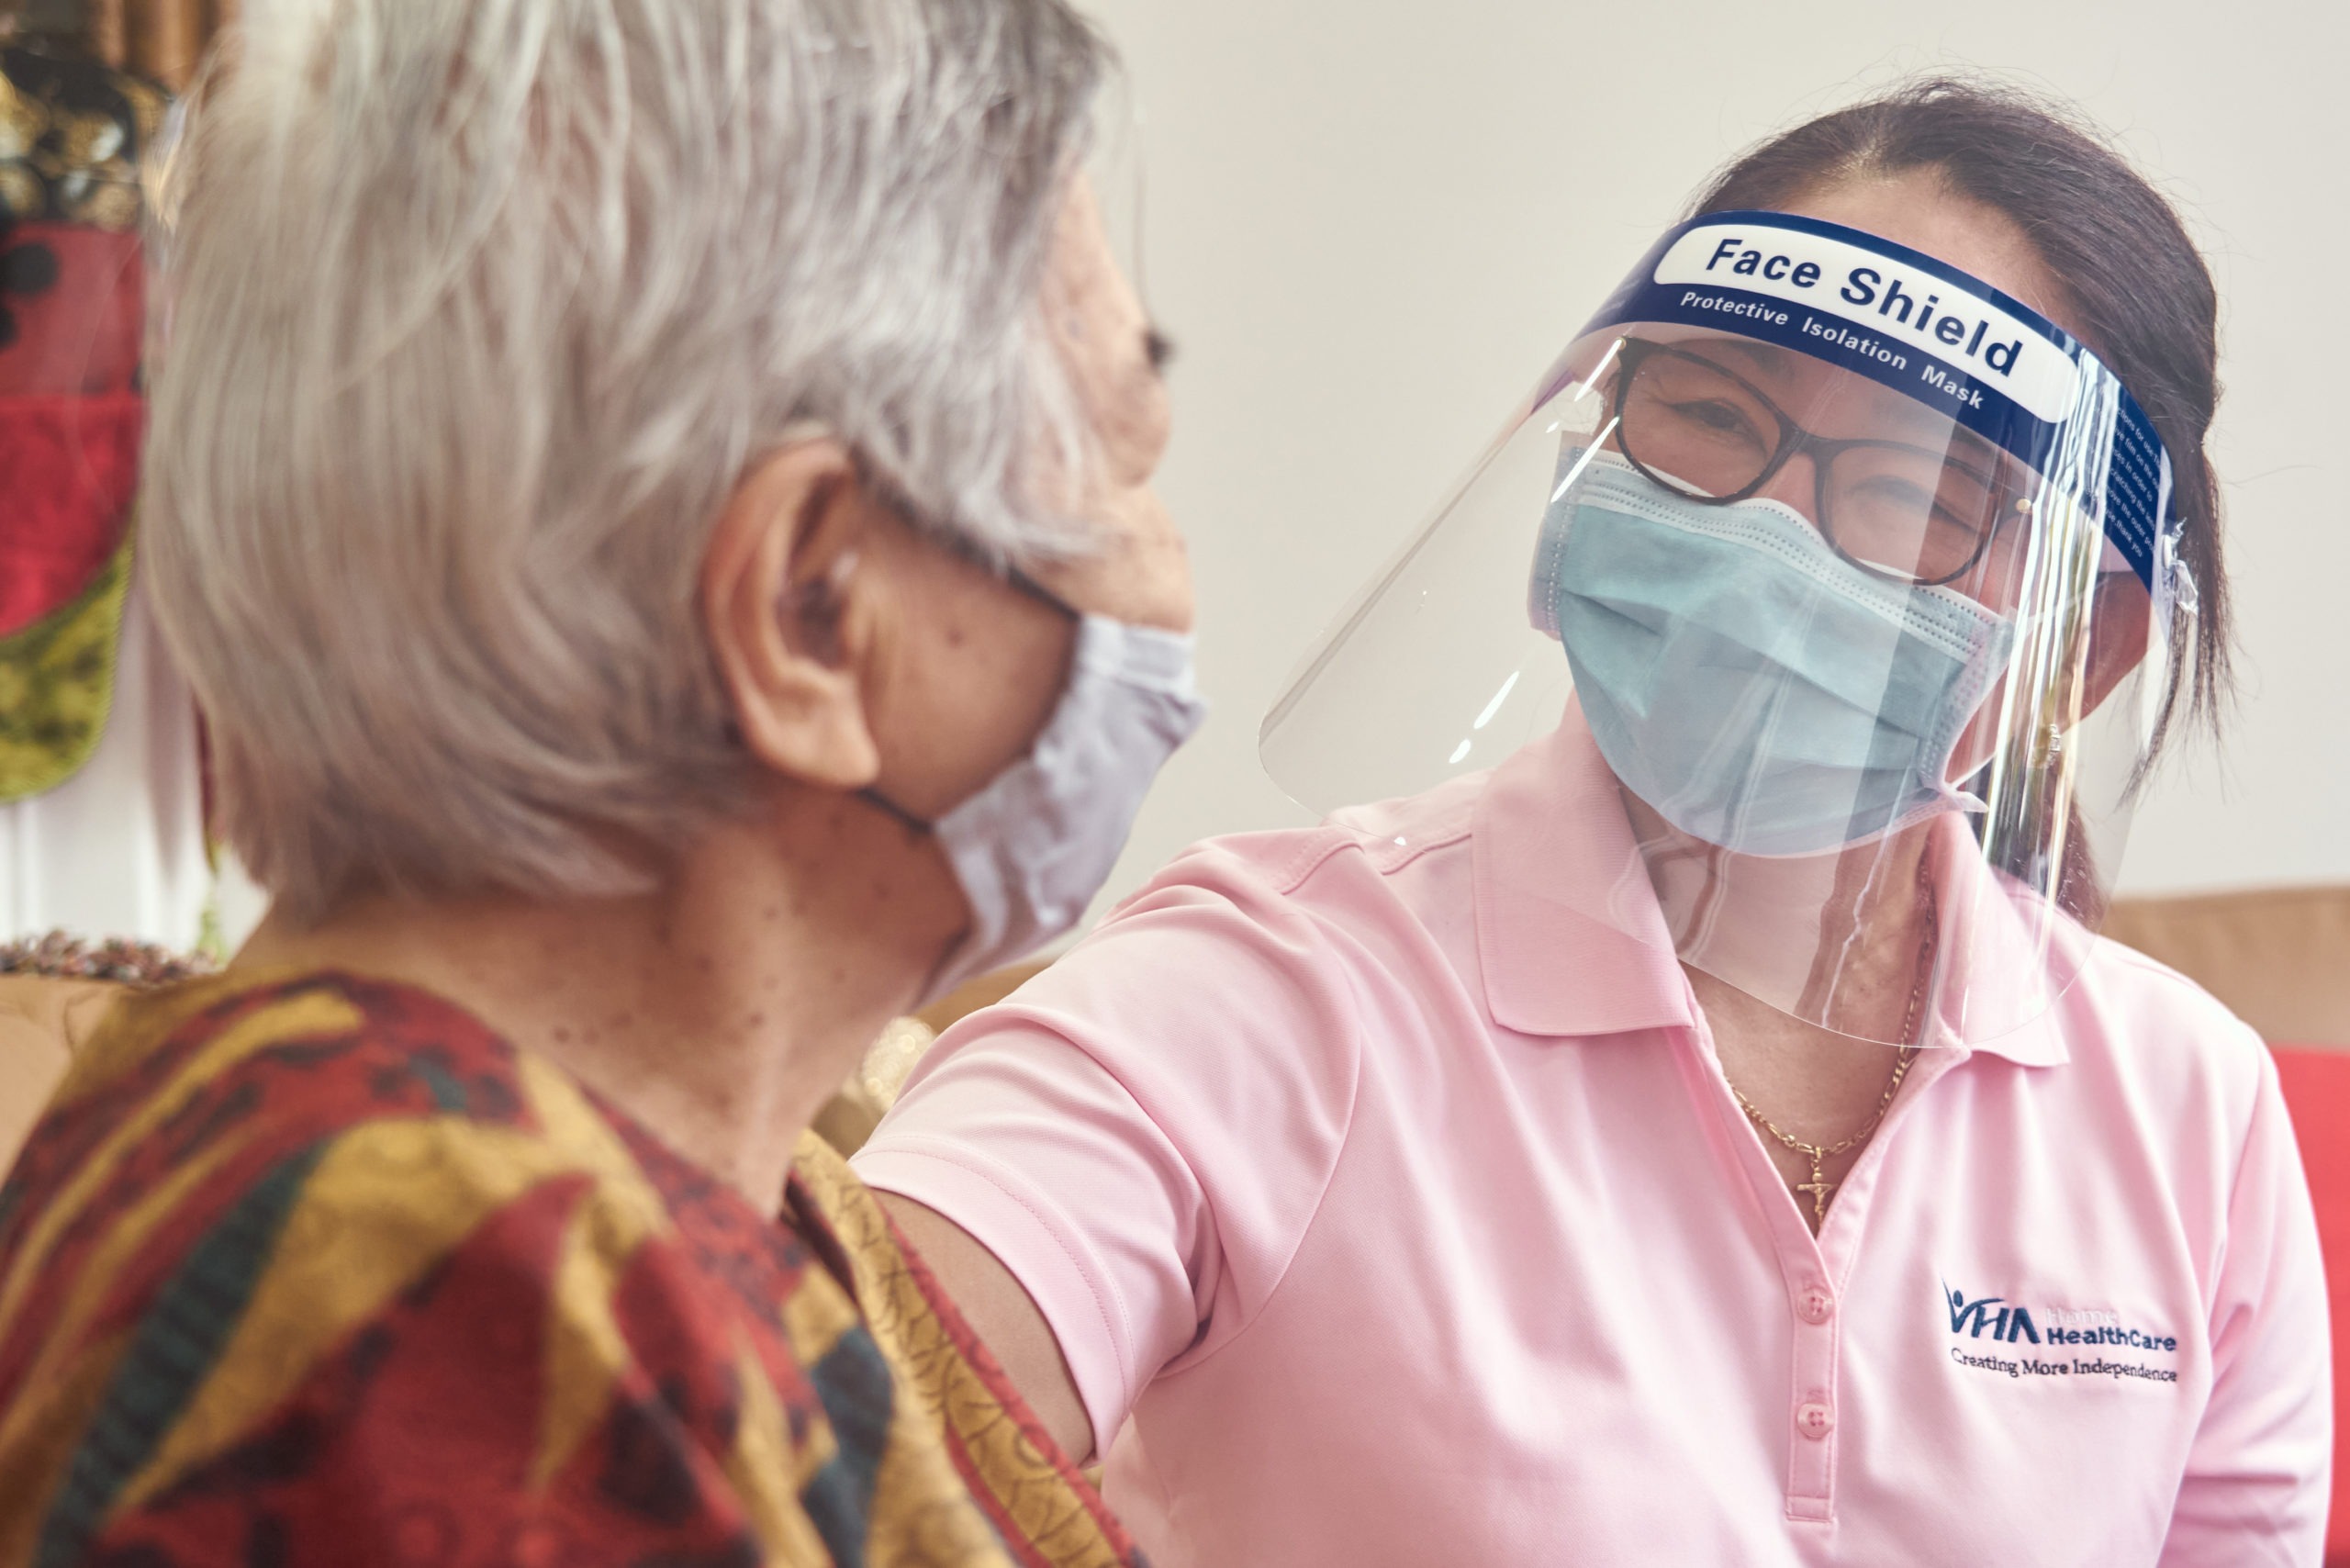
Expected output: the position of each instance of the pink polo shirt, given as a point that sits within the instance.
(1389, 1210)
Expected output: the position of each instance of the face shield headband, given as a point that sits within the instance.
(1920, 327)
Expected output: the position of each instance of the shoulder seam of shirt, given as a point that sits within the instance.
(1459, 834)
(2145, 963)
(1330, 839)
(1319, 845)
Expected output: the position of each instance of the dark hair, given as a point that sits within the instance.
(2154, 322)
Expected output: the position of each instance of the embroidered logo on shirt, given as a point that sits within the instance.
(1971, 1318)
(1993, 1321)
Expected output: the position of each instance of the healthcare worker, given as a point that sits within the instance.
(1693, 1120)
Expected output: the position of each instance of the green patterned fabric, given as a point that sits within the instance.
(57, 685)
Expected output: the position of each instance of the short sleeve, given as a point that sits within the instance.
(1143, 1133)
(2254, 1489)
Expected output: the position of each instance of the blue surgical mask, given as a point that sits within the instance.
(1757, 690)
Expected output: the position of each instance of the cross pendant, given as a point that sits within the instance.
(1818, 1191)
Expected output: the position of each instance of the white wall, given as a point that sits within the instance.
(1371, 223)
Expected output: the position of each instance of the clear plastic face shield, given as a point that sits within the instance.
(1852, 580)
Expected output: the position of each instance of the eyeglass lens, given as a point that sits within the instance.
(1903, 511)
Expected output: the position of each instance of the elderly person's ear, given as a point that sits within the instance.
(782, 624)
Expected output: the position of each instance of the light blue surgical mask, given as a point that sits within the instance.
(1759, 690)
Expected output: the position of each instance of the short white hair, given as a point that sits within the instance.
(476, 312)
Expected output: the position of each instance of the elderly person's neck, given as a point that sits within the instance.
(720, 1011)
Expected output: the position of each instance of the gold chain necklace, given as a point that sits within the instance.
(1820, 1186)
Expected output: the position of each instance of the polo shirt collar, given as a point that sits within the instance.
(1995, 931)
(1569, 933)
(1571, 939)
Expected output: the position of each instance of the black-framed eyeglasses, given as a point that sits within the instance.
(1910, 514)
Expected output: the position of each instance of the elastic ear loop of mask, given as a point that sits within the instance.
(872, 794)
(818, 598)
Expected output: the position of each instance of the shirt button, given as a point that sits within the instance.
(1815, 1420)
(1816, 1305)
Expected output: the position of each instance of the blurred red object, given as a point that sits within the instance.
(69, 466)
(71, 311)
(2317, 1094)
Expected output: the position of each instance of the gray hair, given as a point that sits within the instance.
(478, 310)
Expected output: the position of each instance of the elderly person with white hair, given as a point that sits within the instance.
(654, 500)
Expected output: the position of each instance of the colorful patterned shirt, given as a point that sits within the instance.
(322, 1271)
